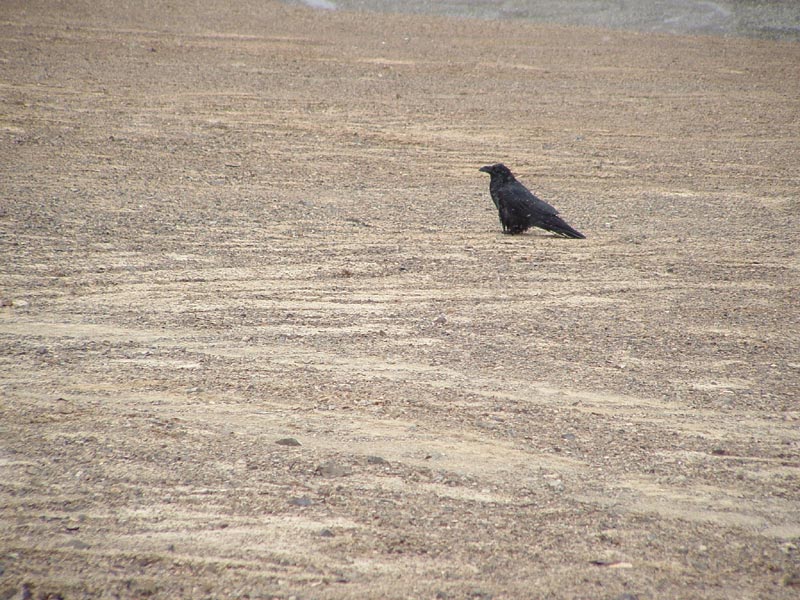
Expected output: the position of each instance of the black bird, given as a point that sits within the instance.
(519, 209)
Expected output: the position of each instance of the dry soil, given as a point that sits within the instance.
(262, 336)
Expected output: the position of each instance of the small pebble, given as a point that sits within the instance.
(791, 580)
(788, 548)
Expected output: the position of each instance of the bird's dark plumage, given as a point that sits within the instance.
(519, 209)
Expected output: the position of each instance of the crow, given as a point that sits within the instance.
(519, 209)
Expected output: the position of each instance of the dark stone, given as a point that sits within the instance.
(288, 442)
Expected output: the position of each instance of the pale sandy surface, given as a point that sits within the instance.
(225, 227)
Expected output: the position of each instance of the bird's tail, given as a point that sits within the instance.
(560, 227)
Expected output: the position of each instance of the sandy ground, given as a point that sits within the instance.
(262, 337)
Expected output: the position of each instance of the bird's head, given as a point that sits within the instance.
(497, 170)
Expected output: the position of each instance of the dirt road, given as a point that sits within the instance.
(262, 337)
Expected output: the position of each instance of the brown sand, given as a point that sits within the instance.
(222, 227)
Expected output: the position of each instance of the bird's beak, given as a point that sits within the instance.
(486, 169)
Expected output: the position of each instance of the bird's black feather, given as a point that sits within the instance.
(519, 209)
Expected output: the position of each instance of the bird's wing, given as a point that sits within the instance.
(517, 193)
(516, 212)
(493, 195)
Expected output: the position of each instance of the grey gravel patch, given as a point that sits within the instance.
(556, 485)
(320, 4)
(301, 501)
(332, 469)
